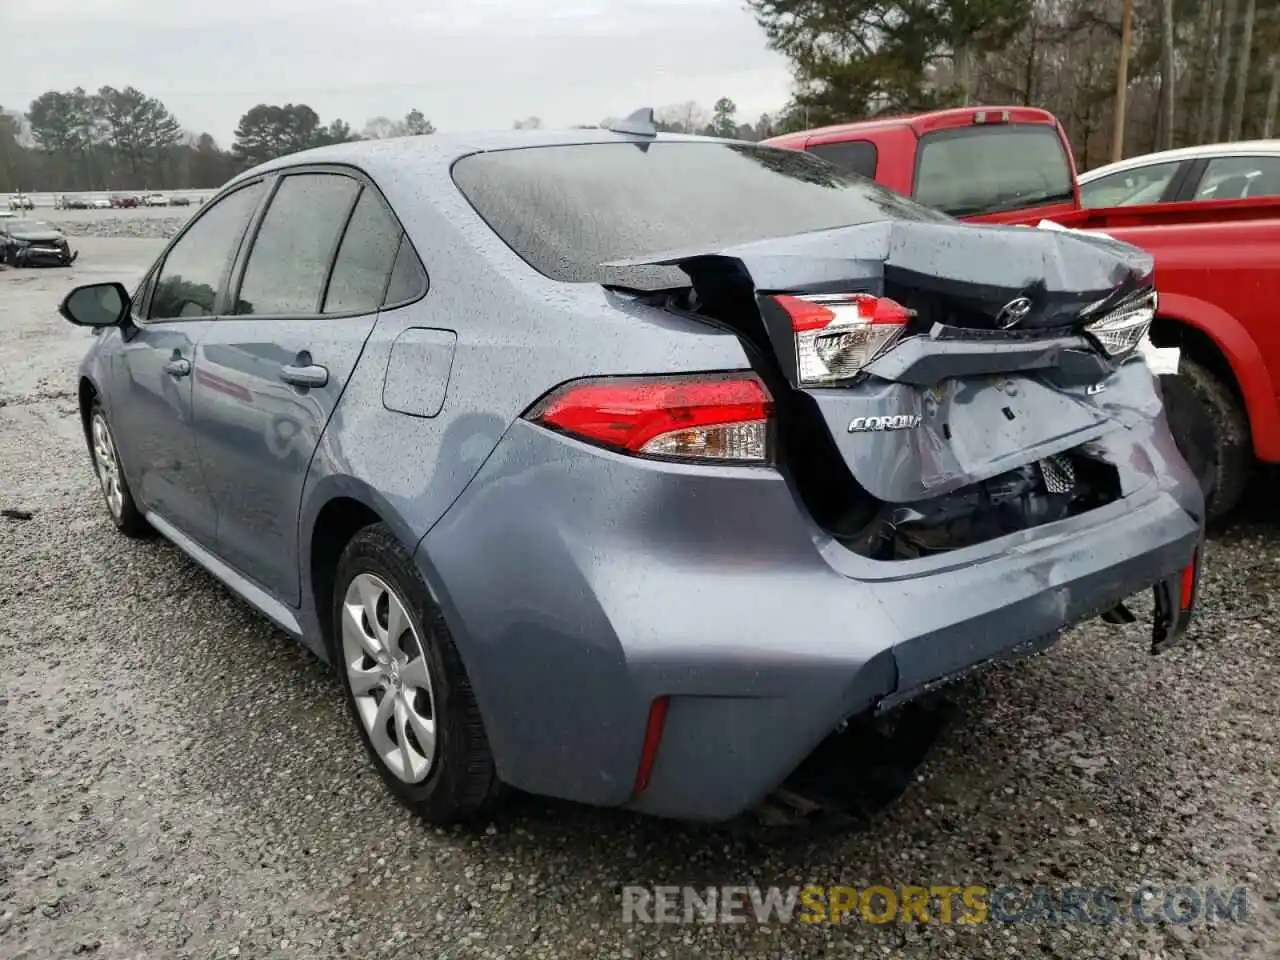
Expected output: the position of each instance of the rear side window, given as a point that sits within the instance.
(856, 156)
(196, 265)
(365, 259)
(985, 169)
(408, 279)
(569, 209)
(291, 254)
(1234, 178)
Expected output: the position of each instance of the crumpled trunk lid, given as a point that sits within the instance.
(994, 370)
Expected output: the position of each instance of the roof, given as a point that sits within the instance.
(443, 148)
(1237, 148)
(921, 122)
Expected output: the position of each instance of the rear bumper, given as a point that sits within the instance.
(581, 586)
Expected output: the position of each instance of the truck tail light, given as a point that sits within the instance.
(837, 335)
(725, 418)
(1122, 330)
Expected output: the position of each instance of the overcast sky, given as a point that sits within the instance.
(467, 64)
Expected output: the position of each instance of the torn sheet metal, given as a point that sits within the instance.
(949, 272)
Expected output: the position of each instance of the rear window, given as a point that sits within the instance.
(568, 209)
(986, 169)
(856, 156)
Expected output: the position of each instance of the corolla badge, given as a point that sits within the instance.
(903, 421)
(1013, 313)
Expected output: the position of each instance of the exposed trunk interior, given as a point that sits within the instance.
(990, 424)
(1040, 492)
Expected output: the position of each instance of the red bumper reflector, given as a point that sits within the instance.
(652, 739)
(1189, 583)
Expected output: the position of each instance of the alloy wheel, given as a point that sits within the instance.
(104, 458)
(389, 677)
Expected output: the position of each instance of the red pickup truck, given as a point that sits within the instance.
(1217, 262)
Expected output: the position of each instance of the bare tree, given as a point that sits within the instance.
(1168, 75)
(1242, 70)
(1225, 31)
(1122, 81)
(1212, 51)
(1273, 97)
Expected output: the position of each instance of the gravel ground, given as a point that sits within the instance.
(180, 780)
(157, 223)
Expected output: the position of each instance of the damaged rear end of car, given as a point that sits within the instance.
(943, 448)
(940, 386)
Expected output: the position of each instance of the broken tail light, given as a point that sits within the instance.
(723, 418)
(837, 335)
(1122, 330)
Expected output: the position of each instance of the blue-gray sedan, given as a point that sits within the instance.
(625, 467)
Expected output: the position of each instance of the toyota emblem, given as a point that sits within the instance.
(1013, 313)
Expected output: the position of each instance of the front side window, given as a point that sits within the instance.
(970, 171)
(1127, 188)
(289, 261)
(196, 266)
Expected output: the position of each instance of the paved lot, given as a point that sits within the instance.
(179, 780)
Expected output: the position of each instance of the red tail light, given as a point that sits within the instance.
(717, 417)
(839, 334)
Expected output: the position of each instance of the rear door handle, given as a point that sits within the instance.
(312, 375)
(178, 367)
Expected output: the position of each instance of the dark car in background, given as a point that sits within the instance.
(33, 243)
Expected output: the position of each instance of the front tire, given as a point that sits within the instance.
(121, 507)
(406, 688)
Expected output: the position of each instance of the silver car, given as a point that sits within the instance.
(625, 467)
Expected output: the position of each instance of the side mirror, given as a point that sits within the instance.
(96, 305)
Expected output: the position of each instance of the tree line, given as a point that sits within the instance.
(127, 140)
(1125, 77)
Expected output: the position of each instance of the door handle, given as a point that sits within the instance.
(311, 375)
(178, 367)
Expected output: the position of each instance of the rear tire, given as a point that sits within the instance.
(1211, 429)
(401, 672)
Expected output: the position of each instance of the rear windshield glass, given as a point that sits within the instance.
(568, 209)
(986, 169)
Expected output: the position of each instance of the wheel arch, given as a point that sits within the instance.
(86, 393)
(340, 508)
(1218, 342)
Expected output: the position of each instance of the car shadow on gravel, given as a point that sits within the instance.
(1258, 511)
(1078, 765)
